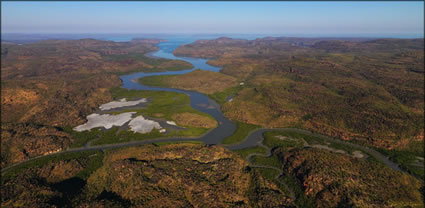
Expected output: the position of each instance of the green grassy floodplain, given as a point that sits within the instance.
(247, 151)
(271, 141)
(157, 81)
(406, 160)
(92, 159)
(162, 105)
(242, 131)
(220, 97)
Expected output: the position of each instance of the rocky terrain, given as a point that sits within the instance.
(366, 91)
(325, 172)
(55, 84)
(174, 175)
(22, 141)
(370, 91)
(334, 180)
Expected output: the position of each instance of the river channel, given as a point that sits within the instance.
(198, 101)
(204, 104)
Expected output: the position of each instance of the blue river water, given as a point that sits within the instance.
(204, 104)
(198, 101)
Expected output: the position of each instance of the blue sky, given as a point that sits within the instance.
(214, 17)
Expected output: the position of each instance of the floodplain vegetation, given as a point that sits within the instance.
(364, 91)
(164, 106)
(51, 85)
(367, 91)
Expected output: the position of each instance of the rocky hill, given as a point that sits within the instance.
(356, 89)
(335, 180)
(55, 84)
(174, 175)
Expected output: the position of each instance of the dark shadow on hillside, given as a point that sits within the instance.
(69, 189)
(113, 197)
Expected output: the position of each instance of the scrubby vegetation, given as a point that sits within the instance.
(56, 180)
(247, 151)
(267, 161)
(50, 85)
(332, 180)
(217, 86)
(150, 64)
(170, 175)
(322, 178)
(290, 139)
(226, 95)
(411, 162)
(91, 159)
(366, 90)
(22, 141)
(207, 82)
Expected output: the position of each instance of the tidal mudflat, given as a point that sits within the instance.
(121, 103)
(138, 124)
(142, 125)
(172, 123)
(106, 120)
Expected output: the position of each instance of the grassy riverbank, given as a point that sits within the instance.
(167, 106)
(242, 131)
(206, 82)
(221, 96)
(247, 151)
(91, 160)
(162, 104)
(410, 162)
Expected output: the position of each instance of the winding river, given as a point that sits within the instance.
(204, 104)
(198, 101)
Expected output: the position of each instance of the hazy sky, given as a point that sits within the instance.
(214, 17)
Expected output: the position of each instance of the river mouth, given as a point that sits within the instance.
(198, 101)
